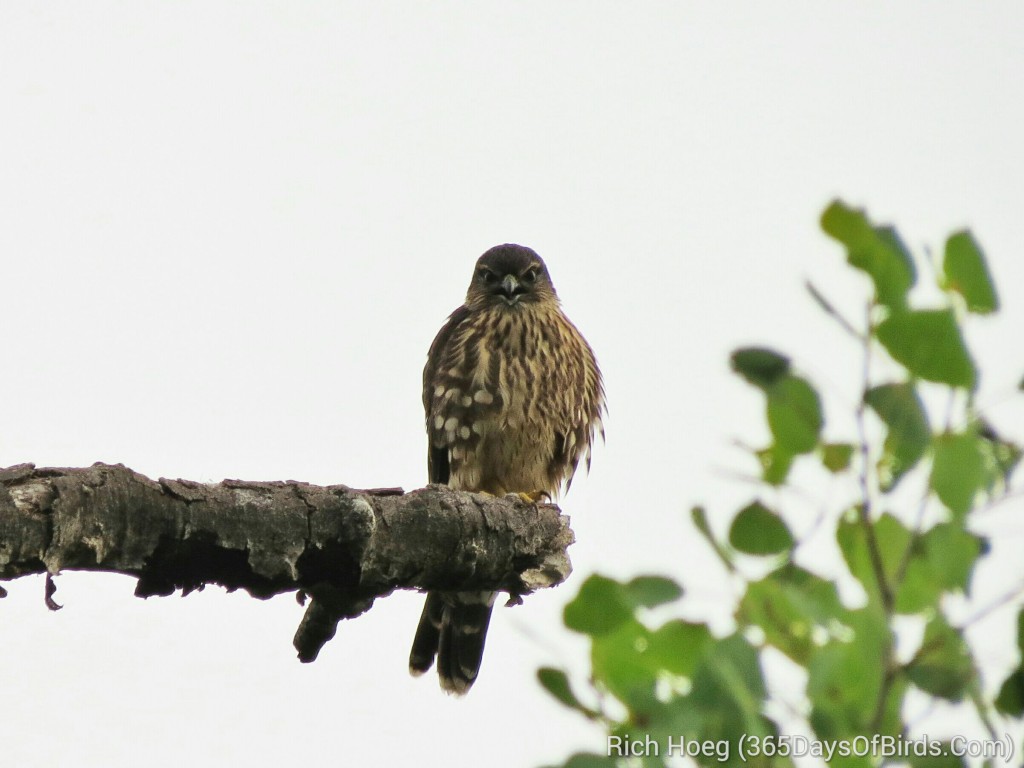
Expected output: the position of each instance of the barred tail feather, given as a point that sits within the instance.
(428, 632)
(452, 628)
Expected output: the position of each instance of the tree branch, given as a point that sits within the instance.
(342, 546)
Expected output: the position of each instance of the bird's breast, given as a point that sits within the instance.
(503, 401)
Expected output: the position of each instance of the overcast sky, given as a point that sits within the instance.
(229, 232)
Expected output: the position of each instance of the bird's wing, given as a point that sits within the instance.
(438, 467)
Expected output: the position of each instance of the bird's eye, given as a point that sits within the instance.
(530, 275)
(485, 274)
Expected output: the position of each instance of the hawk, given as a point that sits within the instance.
(513, 398)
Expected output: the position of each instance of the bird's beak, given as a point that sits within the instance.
(510, 288)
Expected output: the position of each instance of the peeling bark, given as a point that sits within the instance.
(343, 547)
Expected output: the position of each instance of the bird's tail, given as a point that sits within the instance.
(452, 628)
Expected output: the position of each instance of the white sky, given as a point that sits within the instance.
(230, 231)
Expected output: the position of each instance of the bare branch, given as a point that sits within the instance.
(342, 546)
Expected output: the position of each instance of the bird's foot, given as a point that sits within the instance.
(534, 497)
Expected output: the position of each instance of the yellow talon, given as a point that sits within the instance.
(534, 497)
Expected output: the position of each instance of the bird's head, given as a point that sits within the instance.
(510, 276)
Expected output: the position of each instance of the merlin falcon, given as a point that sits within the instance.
(513, 399)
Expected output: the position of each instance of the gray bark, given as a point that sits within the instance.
(343, 547)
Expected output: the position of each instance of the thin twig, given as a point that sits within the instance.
(864, 509)
(819, 519)
(1007, 597)
(829, 309)
(901, 571)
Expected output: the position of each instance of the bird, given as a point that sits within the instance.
(513, 398)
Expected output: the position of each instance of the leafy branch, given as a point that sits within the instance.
(678, 683)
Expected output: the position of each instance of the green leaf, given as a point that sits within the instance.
(836, 457)
(1010, 700)
(678, 645)
(600, 607)
(630, 660)
(892, 540)
(942, 665)
(817, 598)
(944, 757)
(626, 657)
(940, 560)
(732, 668)
(619, 661)
(649, 591)
(796, 609)
(967, 273)
(878, 251)
(729, 690)
(775, 463)
(950, 553)
(853, 544)
(556, 682)
(794, 414)
(760, 366)
(1007, 456)
(845, 678)
(918, 569)
(929, 344)
(757, 530)
(1002, 457)
(918, 589)
(958, 470)
(900, 409)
